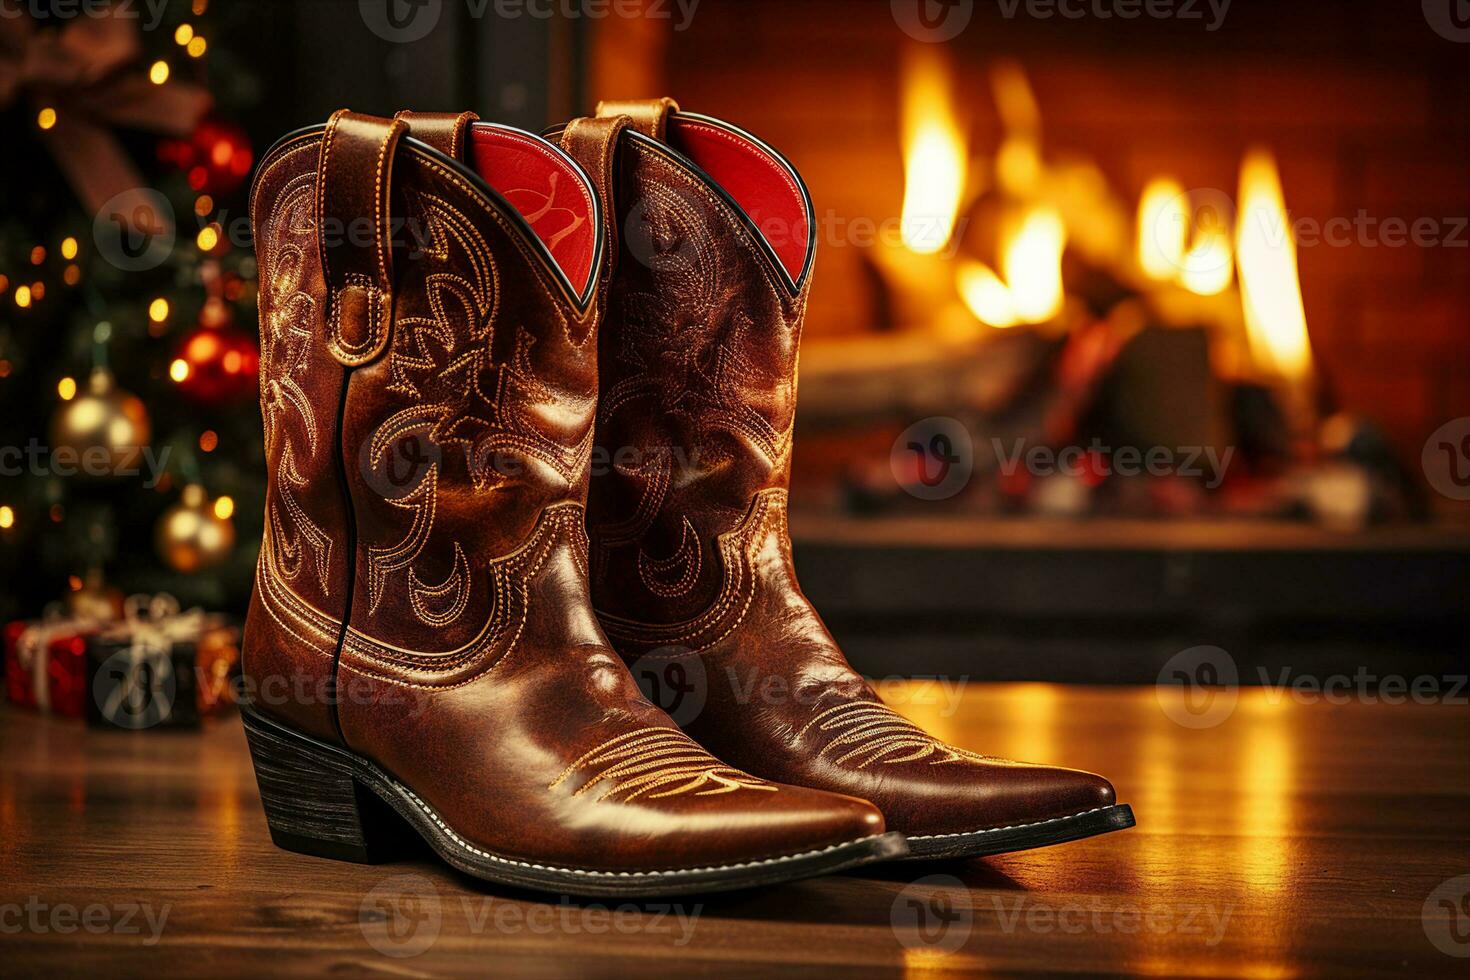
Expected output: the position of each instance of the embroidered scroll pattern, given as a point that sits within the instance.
(658, 763)
(865, 732)
(460, 398)
(285, 337)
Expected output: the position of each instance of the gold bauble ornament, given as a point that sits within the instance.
(107, 428)
(191, 535)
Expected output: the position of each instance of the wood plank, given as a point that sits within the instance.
(1290, 840)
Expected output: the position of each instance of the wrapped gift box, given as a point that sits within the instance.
(45, 663)
(159, 667)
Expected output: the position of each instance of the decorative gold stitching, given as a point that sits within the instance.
(686, 559)
(659, 762)
(869, 731)
(286, 314)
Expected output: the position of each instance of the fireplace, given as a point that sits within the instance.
(1186, 295)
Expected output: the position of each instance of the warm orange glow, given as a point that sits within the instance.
(197, 46)
(223, 508)
(1033, 265)
(985, 295)
(68, 248)
(7, 518)
(183, 34)
(1275, 320)
(66, 389)
(208, 238)
(934, 153)
(179, 369)
(158, 72)
(1209, 265)
(1031, 261)
(1163, 229)
(1018, 167)
(158, 310)
(22, 296)
(46, 118)
(202, 347)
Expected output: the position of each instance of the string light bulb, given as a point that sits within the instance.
(158, 72)
(68, 248)
(46, 118)
(67, 388)
(7, 516)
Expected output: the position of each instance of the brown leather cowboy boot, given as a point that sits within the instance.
(421, 645)
(692, 573)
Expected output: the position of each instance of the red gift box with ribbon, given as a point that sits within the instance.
(46, 663)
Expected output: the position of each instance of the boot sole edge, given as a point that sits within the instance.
(465, 857)
(1022, 837)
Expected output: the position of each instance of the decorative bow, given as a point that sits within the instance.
(33, 648)
(83, 72)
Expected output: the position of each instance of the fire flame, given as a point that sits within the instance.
(1163, 229)
(1166, 252)
(1275, 319)
(1031, 258)
(935, 158)
(1209, 266)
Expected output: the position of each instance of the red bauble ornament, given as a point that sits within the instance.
(216, 158)
(222, 361)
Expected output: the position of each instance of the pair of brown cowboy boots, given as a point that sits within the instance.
(528, 412)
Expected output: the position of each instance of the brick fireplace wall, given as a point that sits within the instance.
(1363, 104)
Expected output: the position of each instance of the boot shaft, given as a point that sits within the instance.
(698, 357)
(429, 383)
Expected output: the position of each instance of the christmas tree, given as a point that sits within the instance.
(130, 443)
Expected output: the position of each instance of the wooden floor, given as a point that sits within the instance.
(1290, 840)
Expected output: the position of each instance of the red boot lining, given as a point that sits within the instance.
(757, 181)
(550, 194)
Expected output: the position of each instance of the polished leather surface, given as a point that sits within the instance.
(472, 667)
(692, 574)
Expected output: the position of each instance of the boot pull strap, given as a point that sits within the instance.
(444, 131)
(650, 116)
(594, 144)
(354, 172)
